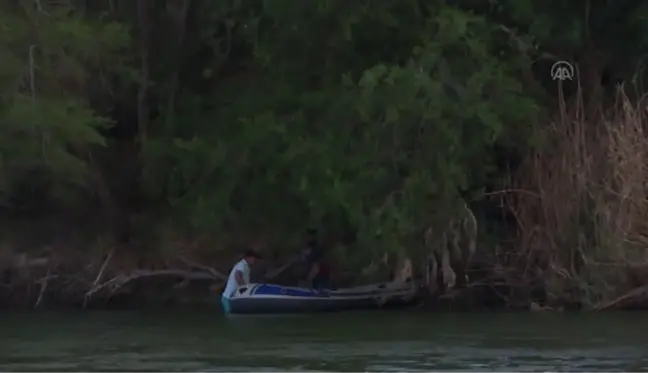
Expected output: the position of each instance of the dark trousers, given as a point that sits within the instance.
(321, 282)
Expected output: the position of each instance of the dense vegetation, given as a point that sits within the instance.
(154, 130)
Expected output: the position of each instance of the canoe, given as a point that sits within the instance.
(270, 298)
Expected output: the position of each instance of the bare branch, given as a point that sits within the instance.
(99, 275)
(43, 289)
(121, 280)
(212, 271)
(637, 293)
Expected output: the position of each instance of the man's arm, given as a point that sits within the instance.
(238, 276)
(313, 272)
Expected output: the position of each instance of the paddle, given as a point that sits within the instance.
(272, 274)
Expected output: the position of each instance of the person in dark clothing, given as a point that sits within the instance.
(317, 271)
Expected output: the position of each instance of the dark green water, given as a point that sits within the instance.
(380, 341)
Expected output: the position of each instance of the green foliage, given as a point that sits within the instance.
(367, 116)
(384, 143)
(47, 124)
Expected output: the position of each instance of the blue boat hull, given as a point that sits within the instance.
(268, 298)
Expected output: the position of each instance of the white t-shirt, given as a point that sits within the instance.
(232, 285)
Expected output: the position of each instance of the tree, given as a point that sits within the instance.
(48, 125)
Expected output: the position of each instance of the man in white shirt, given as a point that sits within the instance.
(238, 276)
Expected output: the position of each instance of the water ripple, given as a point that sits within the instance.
(352, 342)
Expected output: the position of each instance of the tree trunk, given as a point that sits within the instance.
(178, 9)
(143, 111)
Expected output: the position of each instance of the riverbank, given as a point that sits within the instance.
(51, 282)
(58, 272)
(110, 282)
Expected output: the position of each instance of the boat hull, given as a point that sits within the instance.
(267, 298)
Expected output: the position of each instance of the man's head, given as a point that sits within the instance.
(311, 243)
(251, 256)
(306, 251)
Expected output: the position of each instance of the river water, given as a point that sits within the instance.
(357, 341)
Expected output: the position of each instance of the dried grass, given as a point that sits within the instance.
(583, 223)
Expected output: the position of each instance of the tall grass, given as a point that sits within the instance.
(583, 209)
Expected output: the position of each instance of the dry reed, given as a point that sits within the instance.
(583, 225)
